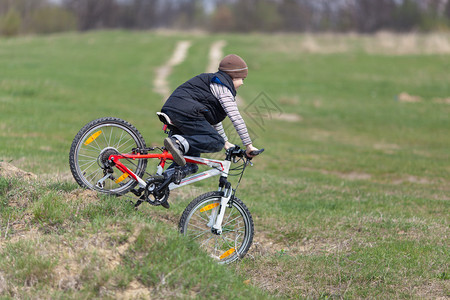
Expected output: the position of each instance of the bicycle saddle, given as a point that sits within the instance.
(164, 118)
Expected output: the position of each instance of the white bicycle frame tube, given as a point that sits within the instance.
(219, 167)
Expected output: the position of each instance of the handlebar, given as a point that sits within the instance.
(236, 151)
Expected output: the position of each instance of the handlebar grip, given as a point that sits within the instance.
(258, 152)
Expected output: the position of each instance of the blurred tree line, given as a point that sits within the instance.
(364, 16)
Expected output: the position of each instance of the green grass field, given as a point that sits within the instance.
(350, 200)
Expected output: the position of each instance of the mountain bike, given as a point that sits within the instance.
(109, 155)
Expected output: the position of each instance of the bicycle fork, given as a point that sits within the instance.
(217, 217)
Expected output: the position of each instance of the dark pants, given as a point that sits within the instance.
(201, 136)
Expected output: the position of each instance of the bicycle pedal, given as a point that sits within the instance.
(177, 176)
(137, 192)
(138, 202)
(165, 204)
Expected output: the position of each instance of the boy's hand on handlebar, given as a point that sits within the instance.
(228, 145)
(250, 149)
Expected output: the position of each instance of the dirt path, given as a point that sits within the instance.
(161, 85)
(215, 55)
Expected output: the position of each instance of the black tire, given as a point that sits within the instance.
(238, 229)
(89, 148)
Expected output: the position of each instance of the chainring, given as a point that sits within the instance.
(158, 198)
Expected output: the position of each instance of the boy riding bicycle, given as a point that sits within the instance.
(198, 107)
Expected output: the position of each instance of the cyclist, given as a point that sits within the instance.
(197, 109)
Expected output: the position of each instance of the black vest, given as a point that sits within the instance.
(194, 98)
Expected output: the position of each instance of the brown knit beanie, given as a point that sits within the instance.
(234, 66)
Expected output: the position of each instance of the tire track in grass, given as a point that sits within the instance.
(215, 56)
(161, 84)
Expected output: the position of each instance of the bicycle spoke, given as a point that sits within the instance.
(94, 152)
(88, 162)
(232, 212)
(110, 136)
(93, 175)
(95, 148)
(91, 146)
(231, 221)
(199, 215)
(116, 145)
(99, 147)
(123, 145)
(236, 229)
(85, 170)
(215, 245)
(84, 155)
(197, 226)
(206, 241)
(225, 238)
(104, 136)
(199, 235)
(228, 245)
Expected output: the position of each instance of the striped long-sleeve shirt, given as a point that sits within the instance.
(228, 102)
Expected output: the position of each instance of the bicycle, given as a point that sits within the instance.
(109, 155)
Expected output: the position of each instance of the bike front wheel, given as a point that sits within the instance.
(91, 149)
(237, 227)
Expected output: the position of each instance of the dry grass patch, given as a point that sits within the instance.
(381, 43)
(431, 290)
(413, 179)
(88, 196)
(272, 273)
(442, 100)
(288, 117)
(387, 148)
(289, 100)
(405, 97)
(91, 255)
(9, 171)
(135, 290)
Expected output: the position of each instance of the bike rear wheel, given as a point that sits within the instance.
(91, 148)
(237, 227)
